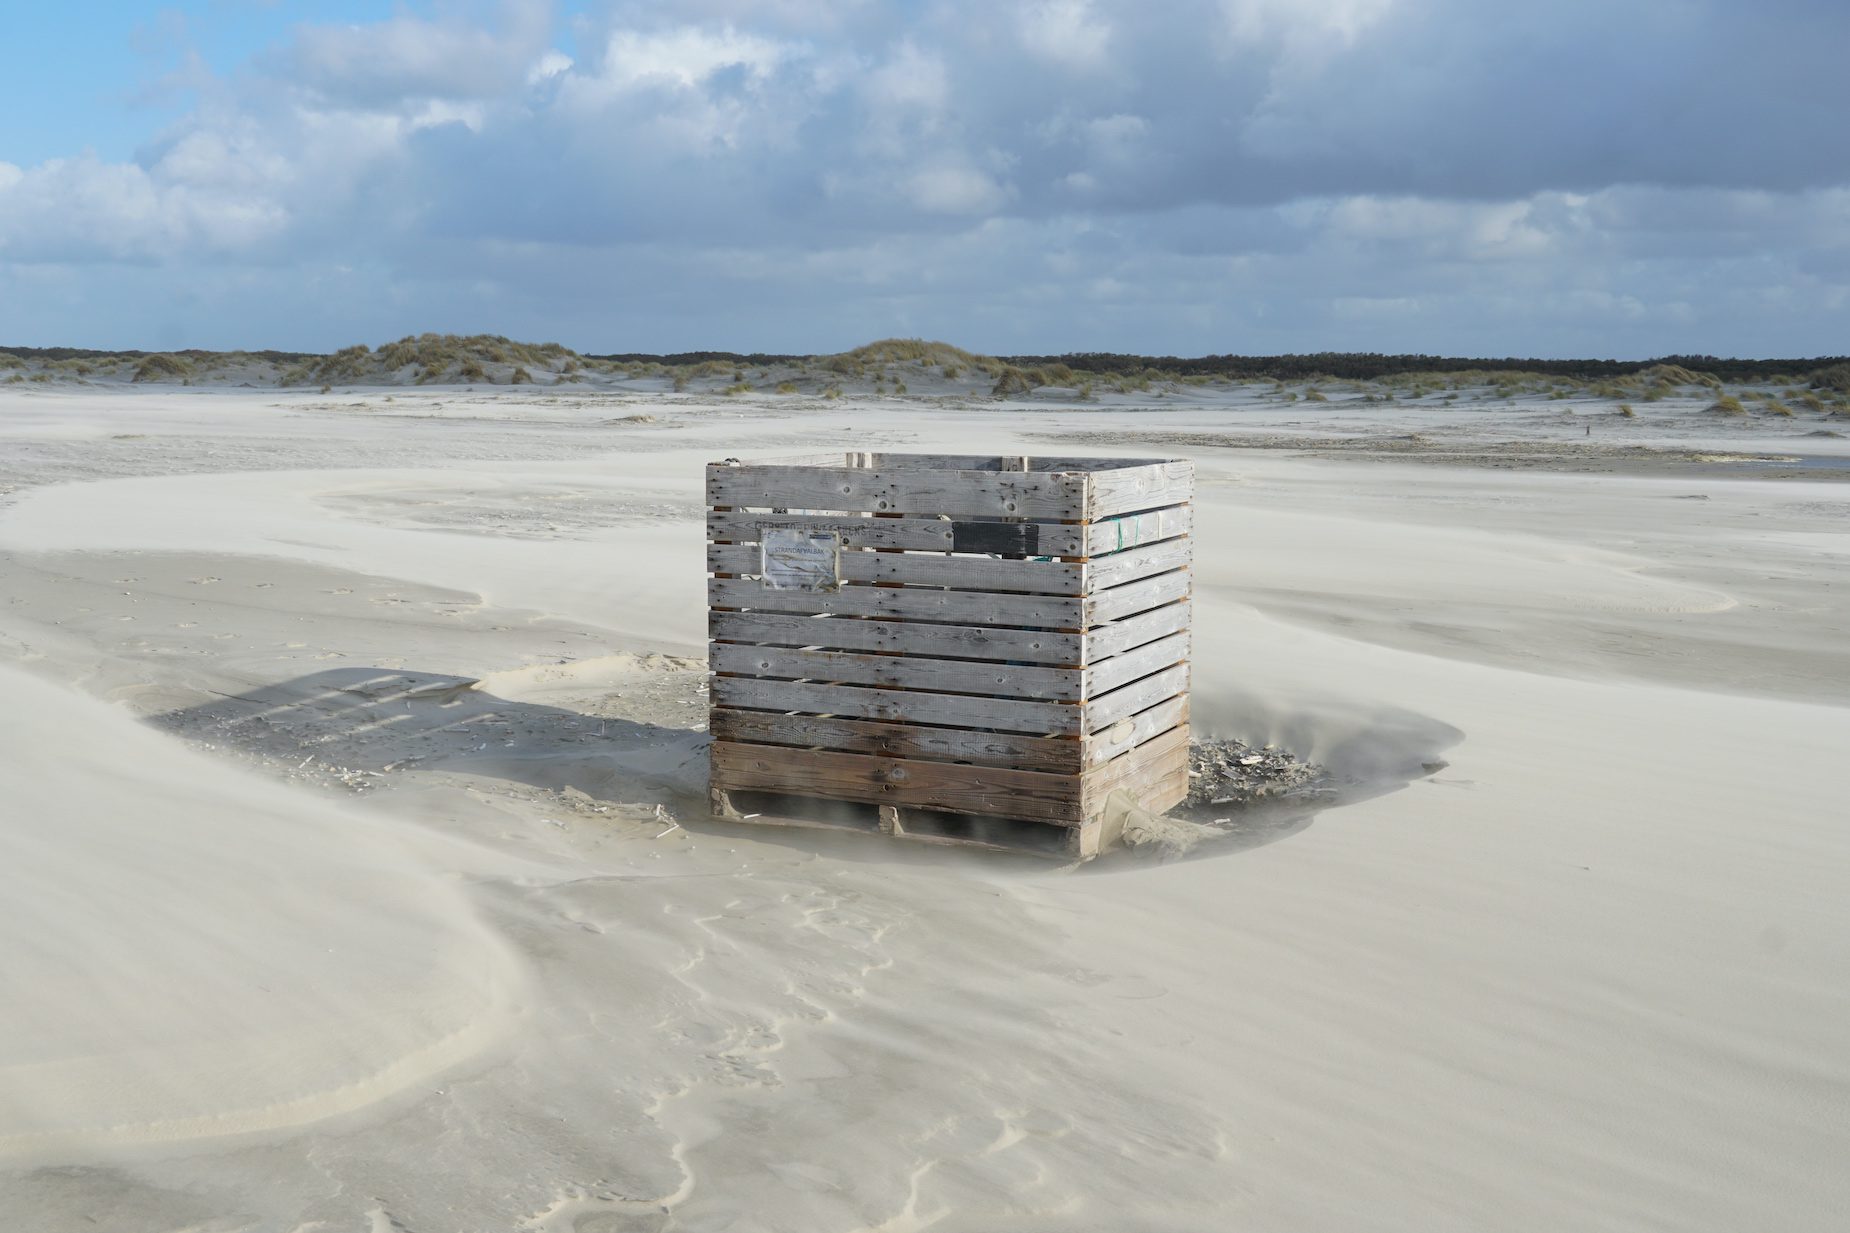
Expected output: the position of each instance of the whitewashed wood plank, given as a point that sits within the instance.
(1155, 775)
(905, 706)
(1007, 462)
(906, 603)
(1017, 494)
(1104, 641)
(909, 671)
(1162, 751)
(1134, 530)
(1127, 700)
(967, 573)
(1102, 678)
(1134, 730)
(1131, 489)
(908, 637)
(1135, 597)
(1135, 563)
(1049, 539)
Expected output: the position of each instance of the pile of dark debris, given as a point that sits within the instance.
(1227, 776)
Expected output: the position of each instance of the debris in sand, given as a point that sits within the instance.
(1225, 778)
(1233, 773)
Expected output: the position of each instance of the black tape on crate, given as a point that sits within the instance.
(1022, 538)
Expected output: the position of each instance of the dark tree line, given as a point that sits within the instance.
(1344, 365)
(1353, 366)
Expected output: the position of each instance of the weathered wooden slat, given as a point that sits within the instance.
(1136, 563)
(967, 573)
(1130, 489)
(1164, 750)
(953, 676)
(973, 573)
(863, 702)
(908, 603)
(1127, 700)
(1135, 597)
(895, 740)
(1134, 530)
(1102, 678)
(1006, 462)
(856, 530)
(1155, 783)
(1060, 496)
(898, 781)
(1053, 539)
(1104, 641)
(909, 637)
(949, 675)
(1126, 734)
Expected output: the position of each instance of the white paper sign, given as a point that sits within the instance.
(798, 560)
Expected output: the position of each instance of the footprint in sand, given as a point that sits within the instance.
(206, 581)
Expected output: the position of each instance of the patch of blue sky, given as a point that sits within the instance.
(106, 76)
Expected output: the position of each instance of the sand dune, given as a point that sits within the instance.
(399, 909)
(193, 951)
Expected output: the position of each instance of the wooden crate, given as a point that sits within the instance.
(949, 648)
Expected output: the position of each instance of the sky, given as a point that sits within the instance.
(1581, 178)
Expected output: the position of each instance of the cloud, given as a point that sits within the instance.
(686, 58)
(1068, 32)
(461, 54)
(84, 210)
(1214, 170)
(1302, 22)
(909, 80)
(956, 188)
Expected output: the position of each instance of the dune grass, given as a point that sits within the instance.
(162, 367)
(1835, 378)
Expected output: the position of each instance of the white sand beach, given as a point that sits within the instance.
(299, 932)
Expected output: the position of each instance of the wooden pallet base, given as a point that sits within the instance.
(995, 834)
(1161, 789)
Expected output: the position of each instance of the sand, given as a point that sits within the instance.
(355, 876)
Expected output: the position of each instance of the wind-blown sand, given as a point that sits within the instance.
(331, 940)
